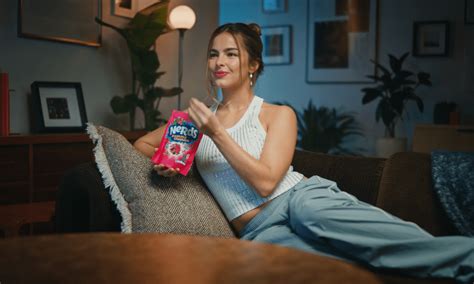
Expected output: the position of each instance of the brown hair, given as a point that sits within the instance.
(247, 35)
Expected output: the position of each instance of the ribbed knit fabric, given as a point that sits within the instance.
(232, 193)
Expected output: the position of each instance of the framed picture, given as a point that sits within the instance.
(71, 21)
(469, 12)
(342, 41)
(57, 107)
(276, 45)
(274, 6)
(431, 38)
(128, 8)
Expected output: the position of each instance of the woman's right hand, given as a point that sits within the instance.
(165, 171)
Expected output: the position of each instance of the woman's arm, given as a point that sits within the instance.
(265, 173)
(148, 143)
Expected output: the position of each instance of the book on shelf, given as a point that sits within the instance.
(4, 105)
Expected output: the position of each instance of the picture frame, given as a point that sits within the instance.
(70, 21)
(430, 38)
(128, 8)
(277, 45)
(274, 6)
(341, 41)
(57, 107)
(469, 12)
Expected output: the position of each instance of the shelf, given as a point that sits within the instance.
(32, 167)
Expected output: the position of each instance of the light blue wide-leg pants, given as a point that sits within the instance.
(317, 217)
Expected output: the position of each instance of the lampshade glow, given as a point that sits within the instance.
(181, 17)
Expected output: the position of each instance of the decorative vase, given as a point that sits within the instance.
(385, 147)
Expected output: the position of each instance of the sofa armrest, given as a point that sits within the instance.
(406, 191)
(83, 204)
(359, 176)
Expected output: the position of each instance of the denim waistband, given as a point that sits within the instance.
(264, 213)
(312, 182)
(274, 204)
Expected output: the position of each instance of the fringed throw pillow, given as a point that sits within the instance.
(148, 202)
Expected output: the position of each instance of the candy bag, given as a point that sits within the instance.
(179, 143)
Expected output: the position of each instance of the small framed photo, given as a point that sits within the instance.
(276, 45)
(431, 38)
(128, 8)
(125, 8)
(469, 12)
(274, 6)
(57, 107)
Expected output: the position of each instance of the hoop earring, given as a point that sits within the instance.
(251, 79)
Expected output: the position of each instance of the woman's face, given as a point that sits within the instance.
(227, 65)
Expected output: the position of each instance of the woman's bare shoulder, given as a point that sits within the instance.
(275, 113)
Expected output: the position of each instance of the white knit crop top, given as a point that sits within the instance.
(232, 193)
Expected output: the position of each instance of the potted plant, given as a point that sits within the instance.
(140, 35)
(326, 130)
(394, 89)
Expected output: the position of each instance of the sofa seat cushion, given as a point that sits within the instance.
(148, 202)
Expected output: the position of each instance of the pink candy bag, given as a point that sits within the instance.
(179, 143)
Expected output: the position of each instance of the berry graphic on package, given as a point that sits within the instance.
(179, 143)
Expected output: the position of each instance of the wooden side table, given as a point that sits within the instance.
(12, 217)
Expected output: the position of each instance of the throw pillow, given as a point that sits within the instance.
(148, 202)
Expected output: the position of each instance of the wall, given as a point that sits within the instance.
(449, 74)
(104, 72)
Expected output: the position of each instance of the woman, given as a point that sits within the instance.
(245, 160)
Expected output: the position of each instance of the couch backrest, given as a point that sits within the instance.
(406, 191)
(359, 176)
(401, 184)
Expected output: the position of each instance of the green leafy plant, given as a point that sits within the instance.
(326, 130)
(395, 87)
(140, 35)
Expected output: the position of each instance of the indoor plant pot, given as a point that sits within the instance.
(387, 146)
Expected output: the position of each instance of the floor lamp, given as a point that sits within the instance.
(181, 18)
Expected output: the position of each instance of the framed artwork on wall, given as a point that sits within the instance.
(342, 41)
(274, 6)
(277, 45)
(70, 21)
(128, 8)
(431, 38)
(469, 12)
(57, 107)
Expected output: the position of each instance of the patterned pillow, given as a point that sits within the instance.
(148, 202)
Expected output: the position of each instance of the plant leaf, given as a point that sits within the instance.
(395, 64)
(370, 95)
(123, 104)
(379, 66)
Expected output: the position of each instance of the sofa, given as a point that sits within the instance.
(400, 185)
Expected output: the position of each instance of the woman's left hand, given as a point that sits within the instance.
(204, 118)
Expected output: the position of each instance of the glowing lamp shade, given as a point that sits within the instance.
(182, 17)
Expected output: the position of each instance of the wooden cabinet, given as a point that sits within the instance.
(31, 168)
(429, 137)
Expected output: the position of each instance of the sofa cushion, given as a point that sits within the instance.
(406, 191)
(148, 202)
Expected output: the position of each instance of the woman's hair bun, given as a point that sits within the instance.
(256, 28)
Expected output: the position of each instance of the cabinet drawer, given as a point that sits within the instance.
(46, 186)
(14, 163)
(57, 158)
(14, 193)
